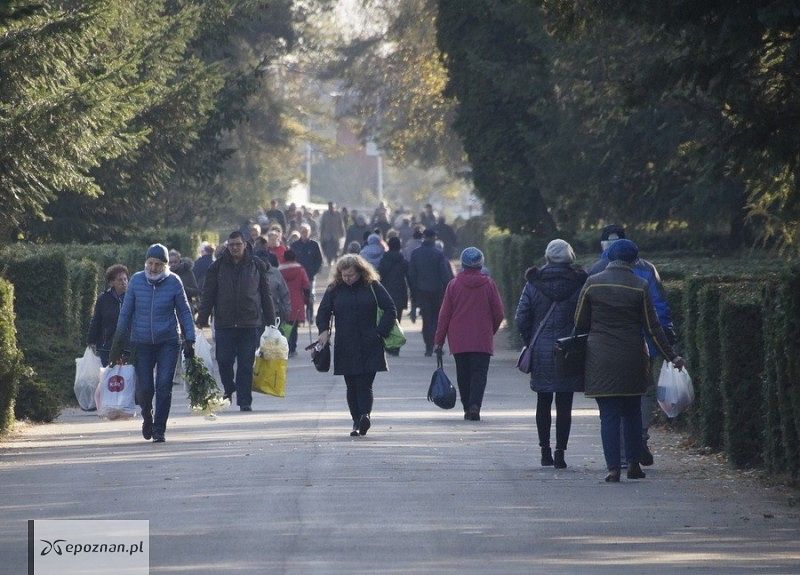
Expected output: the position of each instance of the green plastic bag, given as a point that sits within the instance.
(396, 338)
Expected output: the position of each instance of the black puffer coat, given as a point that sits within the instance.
(559, 284)
(393, 270)
(357, 347)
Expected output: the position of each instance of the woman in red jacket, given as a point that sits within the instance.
(299, 292)
(469, 317)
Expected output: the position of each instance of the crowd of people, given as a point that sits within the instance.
(265, 272)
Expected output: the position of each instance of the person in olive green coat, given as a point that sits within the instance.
(614, 308)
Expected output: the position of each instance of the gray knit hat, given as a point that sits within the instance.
(559, 252)
(472, 258)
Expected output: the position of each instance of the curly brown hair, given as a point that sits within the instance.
(362, 266)
(114, 271)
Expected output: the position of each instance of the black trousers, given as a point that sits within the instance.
(544, 401)
(471, 371)
(429, 304)
(359, 394)
(330, 248)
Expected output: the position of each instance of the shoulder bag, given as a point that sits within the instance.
(570, 355)
(396, 338)
(525, 356)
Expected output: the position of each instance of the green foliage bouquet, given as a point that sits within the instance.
(204, 396)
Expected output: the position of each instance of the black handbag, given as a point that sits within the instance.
(441, 392)
(321, 356)
(570, 355)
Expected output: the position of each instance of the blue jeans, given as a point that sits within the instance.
(237, 344)
(628, 410)
(163, 357)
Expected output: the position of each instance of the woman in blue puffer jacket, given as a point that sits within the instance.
(153, 306)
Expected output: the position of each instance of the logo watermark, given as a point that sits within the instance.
(67, 547)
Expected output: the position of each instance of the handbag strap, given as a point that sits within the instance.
(541, 325)
(377, 305)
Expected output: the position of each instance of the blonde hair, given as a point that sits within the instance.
(362, 266)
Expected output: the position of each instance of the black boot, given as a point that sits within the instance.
(634, 471)
(647, 455)
(558, 460)
(547, 457)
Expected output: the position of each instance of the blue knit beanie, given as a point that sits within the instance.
(158, 252)
(624, 250)
(472, 258)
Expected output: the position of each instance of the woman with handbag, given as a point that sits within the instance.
(615, 309)
(545, 312)
(353, 300)
(470, 315)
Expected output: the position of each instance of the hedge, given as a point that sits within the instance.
(741, 365)
(54, 301)
(9, 356)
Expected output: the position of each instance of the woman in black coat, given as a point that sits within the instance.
(548, 302)
(393, 270)
(353, 300)
(106, 312)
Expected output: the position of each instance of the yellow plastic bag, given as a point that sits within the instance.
(269, 376)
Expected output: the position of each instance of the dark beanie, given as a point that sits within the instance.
(158, 252)
(624, 250)
(613, 230)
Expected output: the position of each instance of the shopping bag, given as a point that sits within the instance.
(674, 392)
(269, 376)
(203, 351)
(286, 329)
(116, 397)
(396, 338)
(87, 378)
(441, 392)
(273, 344)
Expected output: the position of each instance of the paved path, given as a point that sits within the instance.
(284, 489)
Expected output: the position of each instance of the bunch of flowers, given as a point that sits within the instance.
(204, 396)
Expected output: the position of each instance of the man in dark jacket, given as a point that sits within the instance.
(201, 264)
(237, 291)
(309, 255)
(648, 272)
(274, 214)
(429, 272)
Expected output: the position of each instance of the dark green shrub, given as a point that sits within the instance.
(471, 232)
(708, 367)
(36, 401)
(41, 289)
(742, 363)
(85, 278)
(9, 356)
(783, 373)
(774, 452)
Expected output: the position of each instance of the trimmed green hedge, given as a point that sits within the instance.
(741, 365)
(9, 356)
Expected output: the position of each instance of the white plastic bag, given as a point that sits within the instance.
(87, 378)
(675, 392)
(203, 351)
(116, 394)
(273, 344)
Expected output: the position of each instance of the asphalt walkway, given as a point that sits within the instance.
(285, 489)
